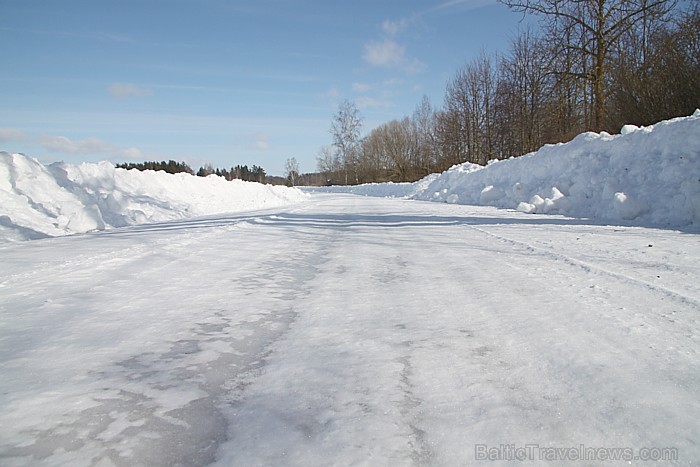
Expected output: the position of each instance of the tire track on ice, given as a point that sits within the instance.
(170, 401)
(593, 269)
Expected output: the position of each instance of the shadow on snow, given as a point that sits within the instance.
(390, 221)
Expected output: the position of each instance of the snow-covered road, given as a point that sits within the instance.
(350, 331)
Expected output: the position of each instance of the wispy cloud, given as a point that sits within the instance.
(260, 143)
(366, 102)
(385, 53)
(388, 52)
(67, 146)
(87, 147)
(8, 135)
(64, 34)
(392, 82)
(393, 28)
(331, 94)
(377, 95)
(80, 147)
(123, 91)
(361, 87)
(111, 37)
(131, 153)
(461, 4)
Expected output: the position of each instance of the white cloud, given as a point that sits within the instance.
(79, 147)
(126, 90)
(393, 28)
(11, 134)
(88, 147)
(390, 54)
(462, 4)
(131, 153)
(361, 87)
(367, 102)
(65, 145)
(392, 82)
(260, 143)
(386, 53)
(332, 93)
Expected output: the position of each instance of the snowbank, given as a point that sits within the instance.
(649, 175)
(378, 190)
(37, 201)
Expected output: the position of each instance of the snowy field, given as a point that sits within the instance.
(349, 330)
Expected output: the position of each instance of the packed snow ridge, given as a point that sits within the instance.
(379, 190)
(649, 175)
(38, 201)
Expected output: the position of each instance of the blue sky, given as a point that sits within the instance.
(226, 82)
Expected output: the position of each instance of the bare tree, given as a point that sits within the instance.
(291, 168)
(205, 170)
(345, 129)
(485, 77)
(396, 146)
(591, 28)
(523, 92)
(454, 122)
(327, 161)
(424, 121)
(468, 126)
(657, 72)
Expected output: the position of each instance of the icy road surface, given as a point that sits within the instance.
(349, 331)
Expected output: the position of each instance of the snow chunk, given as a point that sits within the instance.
(538, 202)
(627, 129)
(526, 207)
(556, 202)
(626, 207)
(491, 194)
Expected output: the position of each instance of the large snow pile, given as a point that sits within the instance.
(649, 175)
(38, 201)
(379, 190)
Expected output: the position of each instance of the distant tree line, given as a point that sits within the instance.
(294, 178)
(596, 65)
(305, 179)
(171, 166)
(239, 172)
